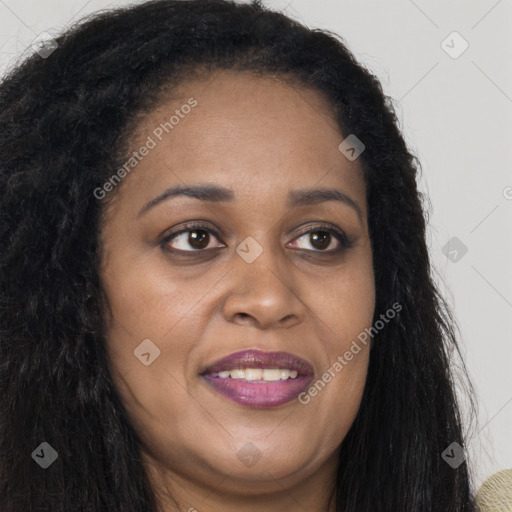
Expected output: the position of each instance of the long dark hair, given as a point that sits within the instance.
(65, 120)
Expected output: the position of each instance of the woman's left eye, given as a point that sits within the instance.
(323, 238)
(320, 238)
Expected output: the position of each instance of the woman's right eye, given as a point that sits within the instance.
(193, 238)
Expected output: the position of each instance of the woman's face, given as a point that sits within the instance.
(261, 273)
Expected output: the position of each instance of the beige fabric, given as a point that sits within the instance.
(495, 495)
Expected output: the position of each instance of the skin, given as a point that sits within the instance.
(260, 137)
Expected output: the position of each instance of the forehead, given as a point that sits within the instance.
(254, 134)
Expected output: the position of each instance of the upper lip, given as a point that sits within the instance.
(260, 359)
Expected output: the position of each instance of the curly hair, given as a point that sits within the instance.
(65, 123)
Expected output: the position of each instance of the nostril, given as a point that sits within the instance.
(244, 317)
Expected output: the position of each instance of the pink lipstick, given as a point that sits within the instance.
(255, 378)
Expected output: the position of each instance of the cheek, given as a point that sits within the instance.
(135, 295)
(349, 304)
(148, 307)
(146, 300)
(347, 309)
(139, 320)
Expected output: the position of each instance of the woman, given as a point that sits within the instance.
(217, 293)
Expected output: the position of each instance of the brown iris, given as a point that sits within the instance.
(199, 239)
(324, 237)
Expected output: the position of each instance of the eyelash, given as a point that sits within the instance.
(344, 241)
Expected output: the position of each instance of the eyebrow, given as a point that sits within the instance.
(217, 194)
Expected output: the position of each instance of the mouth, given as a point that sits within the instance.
(255, 378)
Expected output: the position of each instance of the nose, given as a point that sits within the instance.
(264, 293)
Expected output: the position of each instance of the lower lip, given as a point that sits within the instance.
(258, 393)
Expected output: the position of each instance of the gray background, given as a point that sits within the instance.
(456, 114)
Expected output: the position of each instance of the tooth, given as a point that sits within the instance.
(237, 374)
(253, 374)
(271, 374)
(266, 374)
(285, 374)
